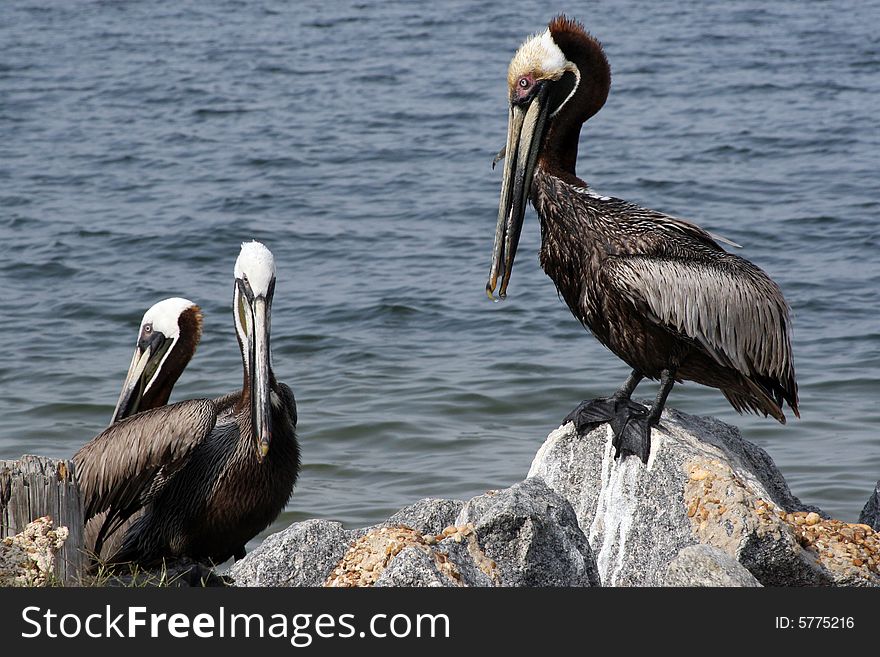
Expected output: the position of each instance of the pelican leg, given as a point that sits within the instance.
(628, 420)
(667, 380)
(632, 432)
(629, 386)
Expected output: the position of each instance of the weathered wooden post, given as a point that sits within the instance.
(36, 486)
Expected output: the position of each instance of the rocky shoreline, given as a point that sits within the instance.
(709, 509)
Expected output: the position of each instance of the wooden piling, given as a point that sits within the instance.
(36, 486)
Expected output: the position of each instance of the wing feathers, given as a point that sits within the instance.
(117, 469)
(728, 306)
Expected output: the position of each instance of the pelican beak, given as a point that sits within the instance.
(261, 409)
(145, 365)
(525, 129)
(498, 156)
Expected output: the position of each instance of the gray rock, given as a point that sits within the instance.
(704, 565)
(469, 562)
(449, 563)
(871, 513)
(707, 509)
(532, 535)
(526, 535)
(301, 555)
(428, 515)
(413, 567)
(703, 484)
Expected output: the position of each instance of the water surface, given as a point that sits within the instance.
(141, 143)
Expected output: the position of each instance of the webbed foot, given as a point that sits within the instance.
(630, 423)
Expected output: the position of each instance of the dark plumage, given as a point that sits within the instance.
(660, 292)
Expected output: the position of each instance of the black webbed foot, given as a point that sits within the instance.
(630, 423)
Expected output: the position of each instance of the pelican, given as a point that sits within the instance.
(167, 339)
(206, 475)
(659, 292)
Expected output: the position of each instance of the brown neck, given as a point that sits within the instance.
(560, 147)
(190, 326)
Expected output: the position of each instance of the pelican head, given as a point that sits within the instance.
(167, 339)
(254, 289)
(556, 81)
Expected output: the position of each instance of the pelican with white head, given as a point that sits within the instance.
(254, 289)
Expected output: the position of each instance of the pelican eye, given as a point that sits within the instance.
(148, 328)
(246, 287)
(524, 83)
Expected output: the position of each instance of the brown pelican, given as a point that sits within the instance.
(167, 339)
(206, 475)
(659, 292)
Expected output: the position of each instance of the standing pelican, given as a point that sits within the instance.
(207, 474)
(658, 291)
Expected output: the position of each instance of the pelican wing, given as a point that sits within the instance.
(726, 305)
(122, 467)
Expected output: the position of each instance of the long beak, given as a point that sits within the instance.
(145, 364)
(261, 410)
(524, 131)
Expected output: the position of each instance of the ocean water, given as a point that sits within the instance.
(141, 143)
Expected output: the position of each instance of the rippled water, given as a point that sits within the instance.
(140, 143)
